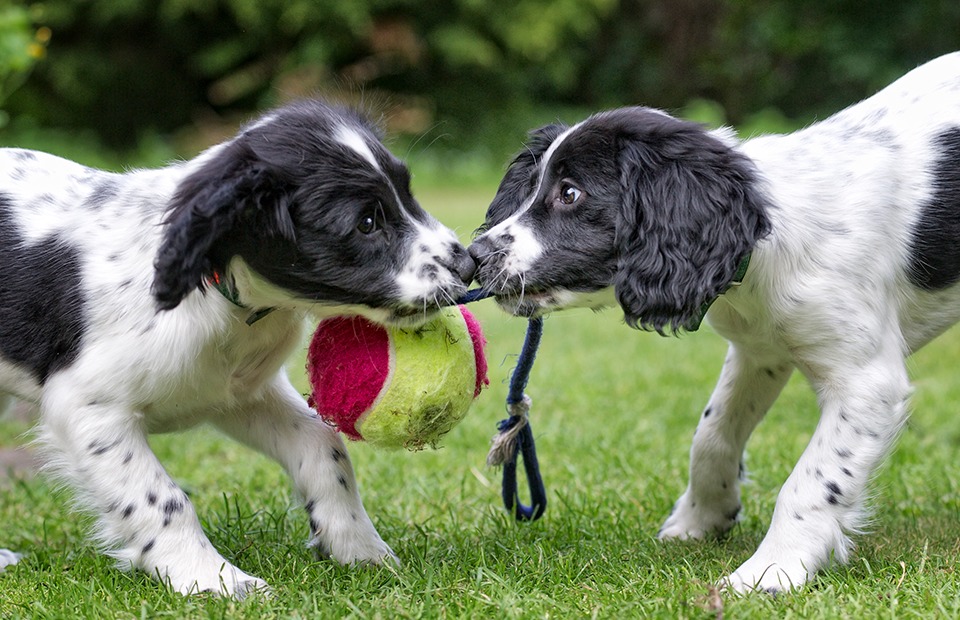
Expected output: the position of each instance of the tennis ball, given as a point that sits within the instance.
(396, 387)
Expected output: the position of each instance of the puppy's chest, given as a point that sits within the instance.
(225, 373)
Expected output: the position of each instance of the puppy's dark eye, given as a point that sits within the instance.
(367, 225)
(569, 194)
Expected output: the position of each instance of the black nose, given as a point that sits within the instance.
(480, 249)
(463, 264)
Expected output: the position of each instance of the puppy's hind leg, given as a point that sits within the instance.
(144, 519)
(282, 426)
(863, 407)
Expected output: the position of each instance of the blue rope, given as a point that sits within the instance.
(524, 445)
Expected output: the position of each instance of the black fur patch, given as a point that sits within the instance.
(42, 318)
(665, 211)
(934, 251)
(288, 198)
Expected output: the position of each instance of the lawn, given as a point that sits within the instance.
(613, 413)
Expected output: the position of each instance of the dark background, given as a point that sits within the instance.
(458, 81)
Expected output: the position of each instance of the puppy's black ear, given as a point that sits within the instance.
(520, 179)
(690, 213)
(233, 189)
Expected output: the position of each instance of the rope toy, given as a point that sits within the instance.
(515, 436)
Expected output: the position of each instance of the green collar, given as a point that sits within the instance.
(737, 279)
(225, 287)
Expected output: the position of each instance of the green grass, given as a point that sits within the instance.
(613, 413)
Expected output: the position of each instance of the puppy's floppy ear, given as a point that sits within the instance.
(521, 176)
(234, 188)
(690, 212)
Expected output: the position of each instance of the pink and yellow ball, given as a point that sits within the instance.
(396, 387)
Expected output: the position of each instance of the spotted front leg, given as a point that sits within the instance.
(747, 387)
(282, 426)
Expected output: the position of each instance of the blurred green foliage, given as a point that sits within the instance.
(20, 47)
(463, 76)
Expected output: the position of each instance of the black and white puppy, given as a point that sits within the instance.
(848, 231)
(155, 300)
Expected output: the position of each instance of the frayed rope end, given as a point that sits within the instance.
(503, 448)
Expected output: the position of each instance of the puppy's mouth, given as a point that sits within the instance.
(531, 304)
(534, 303)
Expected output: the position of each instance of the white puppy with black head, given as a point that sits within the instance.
(155, 300)
(844, 236)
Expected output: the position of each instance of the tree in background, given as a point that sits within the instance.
(465, 75)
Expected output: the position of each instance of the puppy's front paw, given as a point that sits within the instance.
(695, 521)
(8, 558)
(354, 545)
(228, 581)
(761, 575)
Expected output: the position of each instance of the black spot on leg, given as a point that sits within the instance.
(127, 458)
(798, 516)
(171, 508)
(843, 453)
(314, 526)
(147, 547)
(834, 494)
(707, 412)
(98, 448)
(338, 455)
(769, 372)
(847, 472)
(342, 481)
(151, 498)
(128, 511)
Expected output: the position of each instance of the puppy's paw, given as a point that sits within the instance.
(760, 575)
(228, 581)
(359, 545)
(695, 521)
(8, 558)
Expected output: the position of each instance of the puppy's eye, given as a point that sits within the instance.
(569, 194)
(367, 225)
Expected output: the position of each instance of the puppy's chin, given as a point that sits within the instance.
(401, 316)
(534, 304)
(407, 318)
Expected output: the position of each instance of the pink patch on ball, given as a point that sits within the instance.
(476, 336)
(348, 364)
